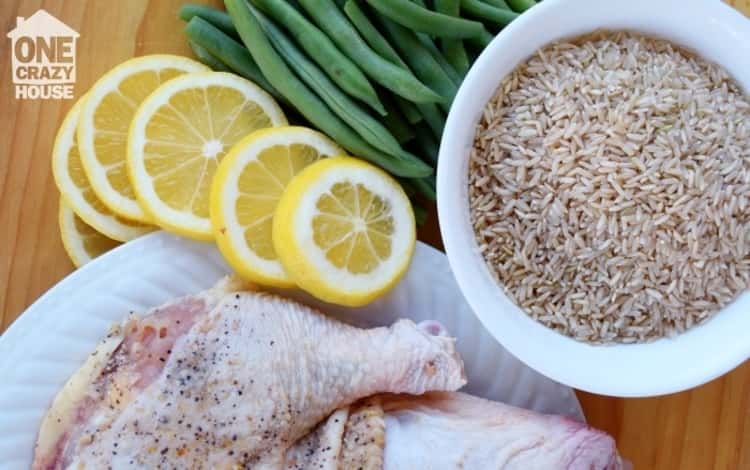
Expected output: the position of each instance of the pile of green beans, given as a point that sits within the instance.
(377, 76)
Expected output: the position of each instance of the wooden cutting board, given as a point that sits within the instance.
(705, 428)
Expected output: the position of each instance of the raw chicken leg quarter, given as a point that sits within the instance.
(249, 375)
(231, 378)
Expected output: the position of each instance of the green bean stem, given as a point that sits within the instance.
(421, 19)
(487, 12)
(230, 52)
(399, 80)
(322, 50)
(454, 50)
(216, 17)
(308, 104)
(346, 108)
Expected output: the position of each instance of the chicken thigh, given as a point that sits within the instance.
(449, 431)
(453, 431)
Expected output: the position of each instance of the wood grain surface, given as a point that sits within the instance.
(705, 428)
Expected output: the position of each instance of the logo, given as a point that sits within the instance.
(44, 57)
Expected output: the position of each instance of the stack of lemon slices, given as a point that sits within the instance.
(161, 141)
(284, 214)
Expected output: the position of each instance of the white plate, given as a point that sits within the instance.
(53, 337)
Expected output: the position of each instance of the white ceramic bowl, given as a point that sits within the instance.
(710, 28)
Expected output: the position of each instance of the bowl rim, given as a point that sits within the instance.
(643, 369)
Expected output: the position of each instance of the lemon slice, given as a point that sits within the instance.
(180, 134)
(345, 231)
(81, 242)
(76, 190)
(246, 189)
(105, 117)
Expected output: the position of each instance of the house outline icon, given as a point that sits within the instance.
(41, 25)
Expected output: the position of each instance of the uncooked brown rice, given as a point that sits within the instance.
(609, 186)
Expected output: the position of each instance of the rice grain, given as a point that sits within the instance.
(609, 183)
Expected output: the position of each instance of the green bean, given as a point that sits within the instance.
(455, 53)
(408, 109)
(481, 41)
(408, 188)
(426, 186)
(487, 12)
(320, 48)
(412, 186)
(427, 143)
(430, 47)
(497, 3)
(346, 108)
(216, 17)
(396, 122)
(420, 213)
(207, 58)
(308, 104)
(433, 117)
(421, 19)
(453, 49)
(380, 44)
(420, 60)
(399, 80)
(428, 44)
(521, 5)
(230, 52)
(371, 34)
